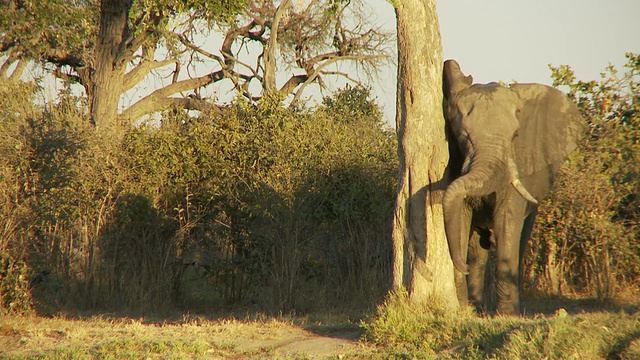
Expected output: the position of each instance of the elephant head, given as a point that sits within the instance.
(509, 138)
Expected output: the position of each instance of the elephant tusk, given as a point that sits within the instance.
(523, 192)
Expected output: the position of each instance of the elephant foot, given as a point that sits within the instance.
(508, 308)
(508, 301)
(480, 308)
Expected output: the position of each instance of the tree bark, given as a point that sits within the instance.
(108, 78)
(18, 70)
(160, 99)
(422, 263)
(270, 53)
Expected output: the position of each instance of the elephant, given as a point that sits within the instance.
(511, 142)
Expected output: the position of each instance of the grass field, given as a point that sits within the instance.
(394, 331)
(191, 337)
(584, 330)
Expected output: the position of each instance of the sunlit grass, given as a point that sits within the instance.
(398, 330)
(408, 331)
(128, 338)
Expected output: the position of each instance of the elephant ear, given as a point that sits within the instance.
(550, 128)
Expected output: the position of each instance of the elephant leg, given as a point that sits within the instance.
(461, 287)
(527, 227)
(509, 222)
(477, 260)
(460, 278)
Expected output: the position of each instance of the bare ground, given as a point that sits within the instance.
(26, 337)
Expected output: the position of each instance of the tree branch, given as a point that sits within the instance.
(61, 59)
(66, 76)
(186, 42)
(272, 48)
(328, 62)
(4, 68)
(340, 73)
(126, 53)
(229, 62)
(157, 99)
(292, 83)
(187, 103)
(130, 45)
(146, 65)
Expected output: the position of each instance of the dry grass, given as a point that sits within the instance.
(409, 331)
(397, 331)
(99, 337)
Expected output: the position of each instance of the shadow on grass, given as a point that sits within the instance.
(549, 305)
(622, 345)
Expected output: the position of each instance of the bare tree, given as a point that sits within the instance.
(422, 263)
(302, 41)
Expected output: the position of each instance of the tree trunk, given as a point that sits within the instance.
(108, 78)
(270, 53)
(422, 263)
(18, 70)
(552, 270)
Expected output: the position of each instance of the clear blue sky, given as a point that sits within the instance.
(516, 40)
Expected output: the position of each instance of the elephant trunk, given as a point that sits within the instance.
(486, 170)
(454, 212)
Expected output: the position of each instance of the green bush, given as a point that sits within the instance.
(586, 240)
(291, 206)
(16, 188)
(15, 296)
(286, 208)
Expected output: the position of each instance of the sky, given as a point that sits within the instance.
(516, 40)
(502, 40)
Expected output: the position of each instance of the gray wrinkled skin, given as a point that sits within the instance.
(510, 142)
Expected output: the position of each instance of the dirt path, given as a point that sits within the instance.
(208, 339)
(300, 342)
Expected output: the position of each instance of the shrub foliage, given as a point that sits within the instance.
(283, 208)
(587, 238)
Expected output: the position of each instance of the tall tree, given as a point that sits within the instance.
(422, 263)
(52, 29)
(110, 61)
(121, 43)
